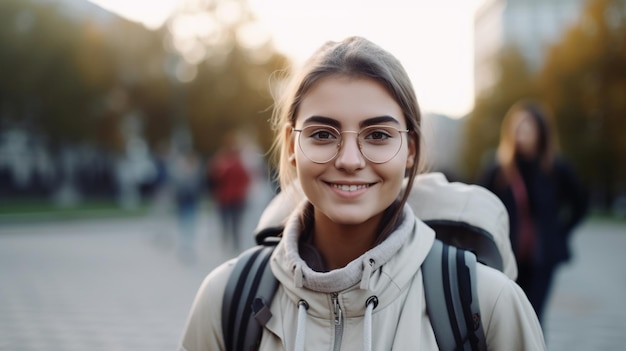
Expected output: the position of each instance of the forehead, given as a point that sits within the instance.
(348, 101)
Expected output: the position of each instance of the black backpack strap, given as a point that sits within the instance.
(451, 298)
(249, 291)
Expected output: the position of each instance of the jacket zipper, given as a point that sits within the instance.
(338, 321)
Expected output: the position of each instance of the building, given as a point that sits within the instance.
(530, 25)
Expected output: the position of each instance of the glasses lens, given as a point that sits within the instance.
(319, 143)
(380, 144)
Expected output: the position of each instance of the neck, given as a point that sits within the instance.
(340, 244)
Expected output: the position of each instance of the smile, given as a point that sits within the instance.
(350, 188)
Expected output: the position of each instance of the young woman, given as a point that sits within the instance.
(348, 132)
(544, 197)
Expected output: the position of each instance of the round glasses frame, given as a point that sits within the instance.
(326, 142)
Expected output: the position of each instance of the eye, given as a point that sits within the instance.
(377, 134)
(322, 135)
(318, 133)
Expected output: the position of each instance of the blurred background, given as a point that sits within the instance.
(113, 113)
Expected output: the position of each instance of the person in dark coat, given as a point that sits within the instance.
(544, 197)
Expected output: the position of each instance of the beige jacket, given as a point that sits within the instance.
(337, 318)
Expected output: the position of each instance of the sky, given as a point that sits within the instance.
(432, 38)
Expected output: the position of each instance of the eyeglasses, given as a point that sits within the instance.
(378, 143)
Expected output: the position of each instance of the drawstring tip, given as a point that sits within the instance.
(298, 276)
(367, 273)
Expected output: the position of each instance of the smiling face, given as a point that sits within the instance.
(349, 189)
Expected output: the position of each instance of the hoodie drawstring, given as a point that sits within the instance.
(367, 273)
(303, 306)
(370, 305)
(301, 331)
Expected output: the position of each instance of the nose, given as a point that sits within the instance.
(350, 157)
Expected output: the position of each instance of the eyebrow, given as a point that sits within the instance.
(378, 120)
(323, 120)
(368, 122)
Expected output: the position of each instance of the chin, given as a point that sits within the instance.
(348, 220)
(351, 217)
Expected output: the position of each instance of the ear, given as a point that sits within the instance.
(290, 144)
(412, 155)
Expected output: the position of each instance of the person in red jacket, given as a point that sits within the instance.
(229, 181)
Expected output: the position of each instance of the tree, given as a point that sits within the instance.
(584, 80)
(225, 70)
(61, 74)
(514, 81)
(38, 76)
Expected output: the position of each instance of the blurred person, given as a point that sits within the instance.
(161, 191)
(348, 133)
(544, 197)
(229, 181)
(186, 182)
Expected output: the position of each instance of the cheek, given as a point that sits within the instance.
(305, 168)
(297, 158)
(395, 170)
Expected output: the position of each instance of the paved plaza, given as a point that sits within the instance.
(587, 309)
(119, 284)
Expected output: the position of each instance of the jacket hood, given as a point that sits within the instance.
(475, 210)
(385, 271)
(435, 201)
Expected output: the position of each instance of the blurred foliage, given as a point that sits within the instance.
(236, 59)
(41, 86)
(483, 126)
(583, 81)
(75, 80)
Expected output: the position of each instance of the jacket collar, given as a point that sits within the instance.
(384, 271)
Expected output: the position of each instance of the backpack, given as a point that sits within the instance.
(471, 225)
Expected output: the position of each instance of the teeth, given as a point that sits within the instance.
(350, 187)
